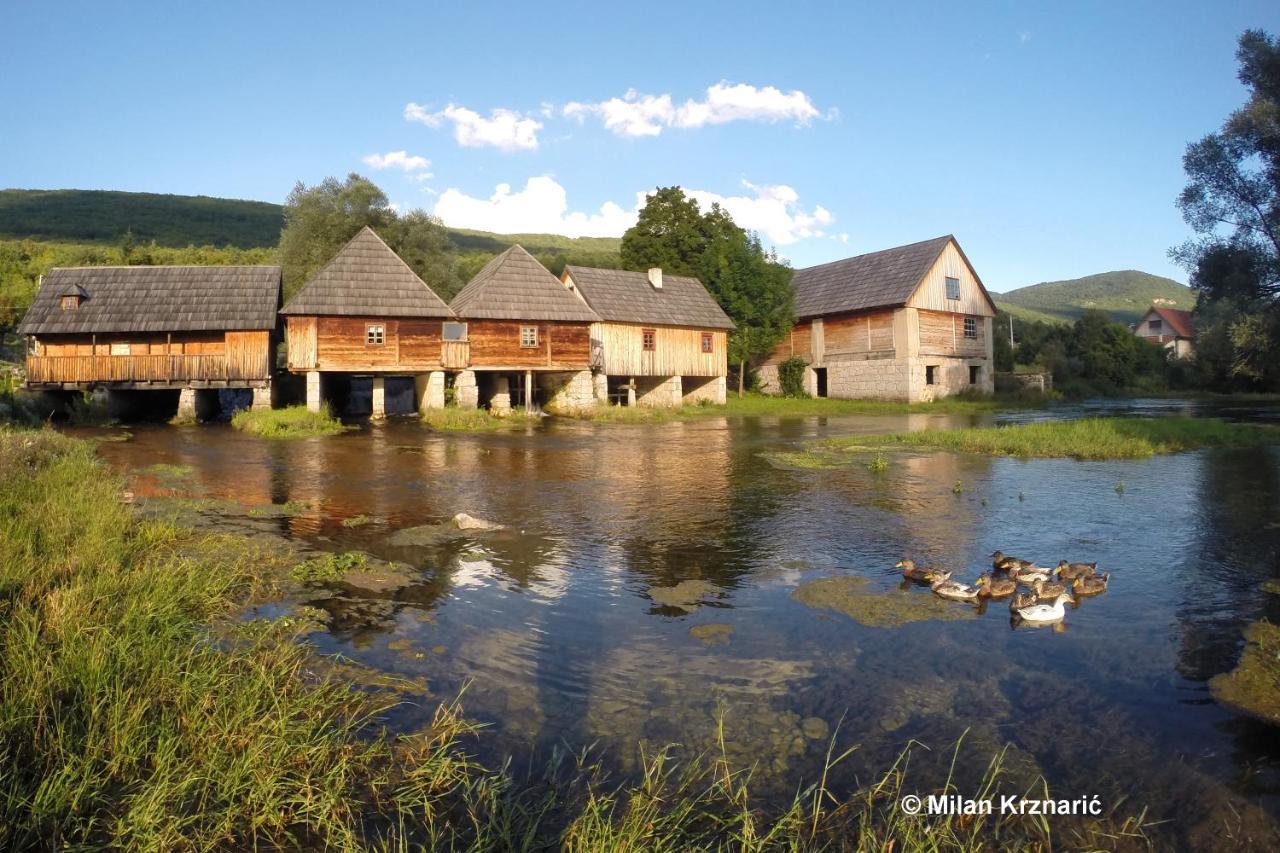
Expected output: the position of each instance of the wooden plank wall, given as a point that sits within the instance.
(943, 334)
(561, 346)
(300, 337)
(931, 295)
(856, 334)
(179, 343)
(248, 355)
(340, 344)
(677, 351)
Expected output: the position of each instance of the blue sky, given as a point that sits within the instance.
(1046, 137)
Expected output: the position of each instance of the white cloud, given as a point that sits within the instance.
(635, 114)
(505, 129)
(542, 206)
(401, 160)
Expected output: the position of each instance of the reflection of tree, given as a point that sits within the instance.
(1237, 547)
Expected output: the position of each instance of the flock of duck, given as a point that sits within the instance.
(1039, 595)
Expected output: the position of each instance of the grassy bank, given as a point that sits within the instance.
(134, 714)
(1085, 438)
(291, 422)
(454, 419)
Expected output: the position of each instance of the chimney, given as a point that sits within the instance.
(655, 277)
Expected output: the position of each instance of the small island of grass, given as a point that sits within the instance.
(1253, 687)
(457, 419)
(291, 422)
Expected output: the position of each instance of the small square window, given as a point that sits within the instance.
(650, 337)
(528, 336)
(953, 288)
(454, 331)
(928, 374)
(708, 343)
(375, 334)
(971, 328)
(1155, 325)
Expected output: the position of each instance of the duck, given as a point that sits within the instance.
(1049, 590)
(993, 587)
(1045, 614)
(953, 590)
(1022, 599)
(1091, 585)
(1071, 571)
(1001, 562)
(921, 575)
(1029, 575)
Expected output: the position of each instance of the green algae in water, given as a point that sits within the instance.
(357, 521)
(850, 596)
(683, 596)
(1272, 586)
(1253, 687)
(330, 567)
(712, 634)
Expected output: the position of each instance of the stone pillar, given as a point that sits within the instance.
(600, 387)
(720, 390)
(186, 406)
(569, 393)
(379, 399)
(263, 398)
(660, 391)
(315, 399)
(500, 402)
(676, 384)
(631, 391)
(465, 393)
(428, 390)
(710, 389)
(528, 392)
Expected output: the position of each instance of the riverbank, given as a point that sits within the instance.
(164, 723)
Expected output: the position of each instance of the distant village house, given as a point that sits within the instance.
(1173, 329)
(912, 323)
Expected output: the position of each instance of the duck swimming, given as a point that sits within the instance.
(993, 587)
(1045, 614)
(953, 591)
(1001, 562)
(1071, 571)
(1029, 575)
(921, 575)
(1049, 590)
(1091, 585)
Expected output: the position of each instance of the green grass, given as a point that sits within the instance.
(330, 567)
(1086, 438)
(454, 419)
(291, 422)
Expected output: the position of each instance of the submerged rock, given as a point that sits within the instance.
(712, 634)
(683, 596)
(814, 728)
(1253, 687)
(462, 521)
(1272, 586)
(851, 596)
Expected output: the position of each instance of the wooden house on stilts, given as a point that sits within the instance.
(366, 313)
(529, 336)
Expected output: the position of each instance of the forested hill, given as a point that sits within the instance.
(1124, 294)
(103, 216)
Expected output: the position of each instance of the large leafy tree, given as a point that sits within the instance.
(1232, 200)
(318, 220)
(752, 286)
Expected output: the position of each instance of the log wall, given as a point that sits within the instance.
(561, 346)
(154, 357)
(677, 351)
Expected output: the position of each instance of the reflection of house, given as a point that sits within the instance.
(909, 323)
(365, 312)
(522, 322)
(1173, 329)
(154, 328)
(663, 338)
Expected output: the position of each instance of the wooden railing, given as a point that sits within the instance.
(125, 368)
(455, 355)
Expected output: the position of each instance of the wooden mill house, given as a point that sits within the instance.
(529, 337)
(661, 340)
(366, 313)
(190, 329)
(911, 323)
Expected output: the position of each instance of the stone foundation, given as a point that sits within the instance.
(898, 379)
(698, 389)
(264, 398)
(378, 399)
(658, 391)
(500, 402)
(315, 398)
(465, 393)
(428, 390)
(568, 392)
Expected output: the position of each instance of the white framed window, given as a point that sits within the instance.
(375, 334)
(708, 343)
(953, 288)
(528, 336)
(971, 328)
(454, 331)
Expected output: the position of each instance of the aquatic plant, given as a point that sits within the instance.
(454, 419)
(878, 464)
(957, 487)
(1120, 487)
(357, 521)
(854, 597)
(330, 567)
(290, 422)
(1254, 685)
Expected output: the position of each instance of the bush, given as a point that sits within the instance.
(791, 377)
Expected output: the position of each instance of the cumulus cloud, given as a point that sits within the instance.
(542, 206)
(400, 160)
(635, 114)
(504, 129)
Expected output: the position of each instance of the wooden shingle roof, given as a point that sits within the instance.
(155, 299)
(622, 296)
(514, 286)
(884, 279)
(366, 278)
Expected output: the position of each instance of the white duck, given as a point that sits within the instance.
(953, 590)
(1045, 614)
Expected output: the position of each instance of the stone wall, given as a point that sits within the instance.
(704, 388)
(659, 391)
(865, 379)
(950, 376)
(568, 392)
(767, 379)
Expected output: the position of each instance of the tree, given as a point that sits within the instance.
(752, 286)
(319, 220)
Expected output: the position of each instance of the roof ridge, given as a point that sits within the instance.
(881, 251)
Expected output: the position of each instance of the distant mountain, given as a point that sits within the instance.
(103, 216)
(1124, 294)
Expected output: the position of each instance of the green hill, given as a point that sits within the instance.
(1124, 294)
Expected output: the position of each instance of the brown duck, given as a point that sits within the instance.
(928, 575)
(1071, 571)
(994, 587)
(1091, 585)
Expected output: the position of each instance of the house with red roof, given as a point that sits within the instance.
(1173, 329)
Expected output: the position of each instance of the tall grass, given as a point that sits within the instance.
(456, 419)
(290, 422)
(1086, 438)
